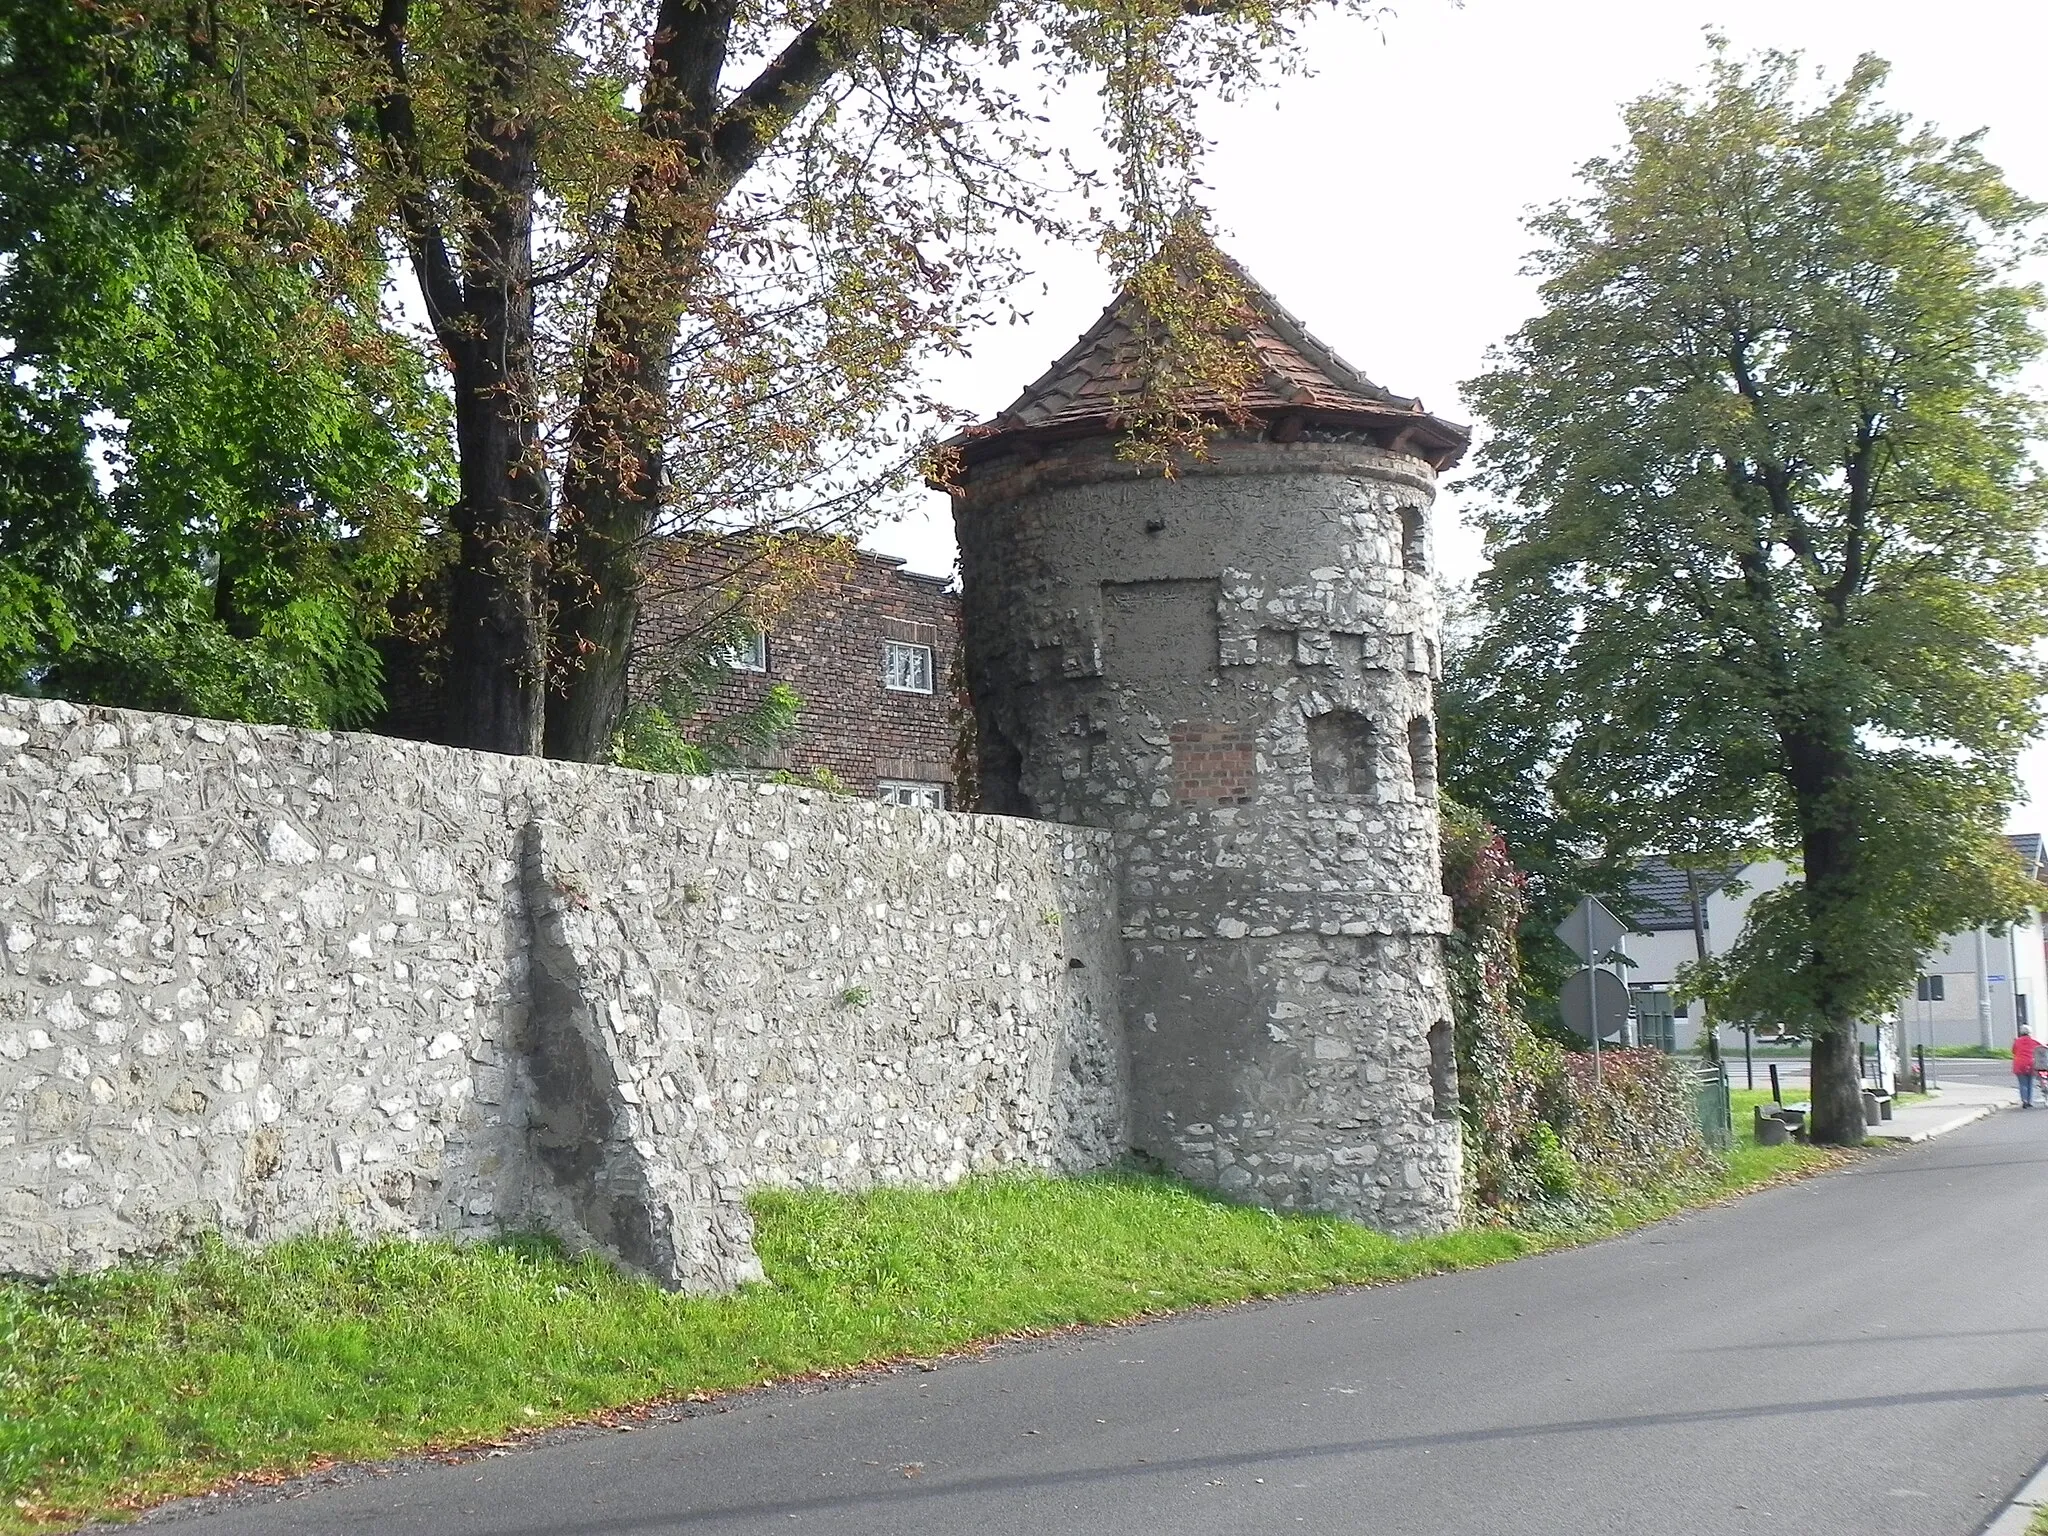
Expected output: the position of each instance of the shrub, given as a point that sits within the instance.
(1543, 1130)
(1631, 1128)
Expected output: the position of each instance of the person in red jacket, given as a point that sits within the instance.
(2026, 1061)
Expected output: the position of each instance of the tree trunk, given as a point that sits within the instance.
(1837, 1093)
(496, 647)
(618, 442)
(613, 488)
(497, 641)
(700, 145)
(1821, 765)
(610, 504)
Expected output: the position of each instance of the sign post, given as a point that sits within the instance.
(1586, 905)
(1592, 932)
(1594, 994)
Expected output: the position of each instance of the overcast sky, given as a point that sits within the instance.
(1381, 200)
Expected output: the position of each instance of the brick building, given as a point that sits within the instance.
(869, 648)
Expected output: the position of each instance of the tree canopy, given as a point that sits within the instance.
(671, 265)
(215, 468)
(1765, 536)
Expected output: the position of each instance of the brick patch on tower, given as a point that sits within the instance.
(1212, 764)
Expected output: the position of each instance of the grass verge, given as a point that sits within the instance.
(124, 1388)
(1743, 1103)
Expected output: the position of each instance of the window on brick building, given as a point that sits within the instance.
(906, 668)
(748, 655)
(912, 792)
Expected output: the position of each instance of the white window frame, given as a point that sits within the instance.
(750, 655)
(917, 794)
(895, 653)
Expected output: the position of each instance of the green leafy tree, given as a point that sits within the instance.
(670, 732)
(1496, 740)
(214, 468)
(1766, 546)
(679, 261)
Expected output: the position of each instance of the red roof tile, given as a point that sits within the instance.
(1300, 376)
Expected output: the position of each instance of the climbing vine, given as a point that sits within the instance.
(1543, 1130)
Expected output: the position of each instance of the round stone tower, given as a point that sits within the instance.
(1231, 669)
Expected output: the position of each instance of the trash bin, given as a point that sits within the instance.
(1712, 1106)
(1872, 1113)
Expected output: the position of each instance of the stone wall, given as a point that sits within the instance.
(265, 982)
(1231, 671)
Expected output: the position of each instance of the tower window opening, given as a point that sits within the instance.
(1414, 556)
(1422, 754)
(1443, 1071)
(1342, 752)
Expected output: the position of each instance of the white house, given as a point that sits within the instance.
(1659, 902)
(1979, 987)
(1976, 988)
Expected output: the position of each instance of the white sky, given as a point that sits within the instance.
(1381, 199)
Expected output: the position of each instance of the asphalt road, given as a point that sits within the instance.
(1859, 1355)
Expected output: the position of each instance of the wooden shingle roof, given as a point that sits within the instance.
(1300, 378)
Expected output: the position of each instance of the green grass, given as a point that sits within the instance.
(123, 1388)
(1978, 1052)
(1744, 1101)
(1748, 1164)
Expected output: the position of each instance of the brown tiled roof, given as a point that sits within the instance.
(1300, 377)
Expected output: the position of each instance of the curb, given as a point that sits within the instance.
(1965, 1117)
(2021, 1508)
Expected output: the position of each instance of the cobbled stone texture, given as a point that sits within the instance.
(261, 982)
(1231, 671)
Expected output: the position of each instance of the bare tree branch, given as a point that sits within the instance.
(399, 131)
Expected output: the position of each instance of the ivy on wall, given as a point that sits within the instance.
(1543, 1131)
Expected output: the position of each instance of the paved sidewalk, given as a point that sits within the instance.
(1950, 1107)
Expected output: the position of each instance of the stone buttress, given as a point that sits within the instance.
(1232, 670)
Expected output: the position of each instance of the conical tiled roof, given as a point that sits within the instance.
(1300, 378)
